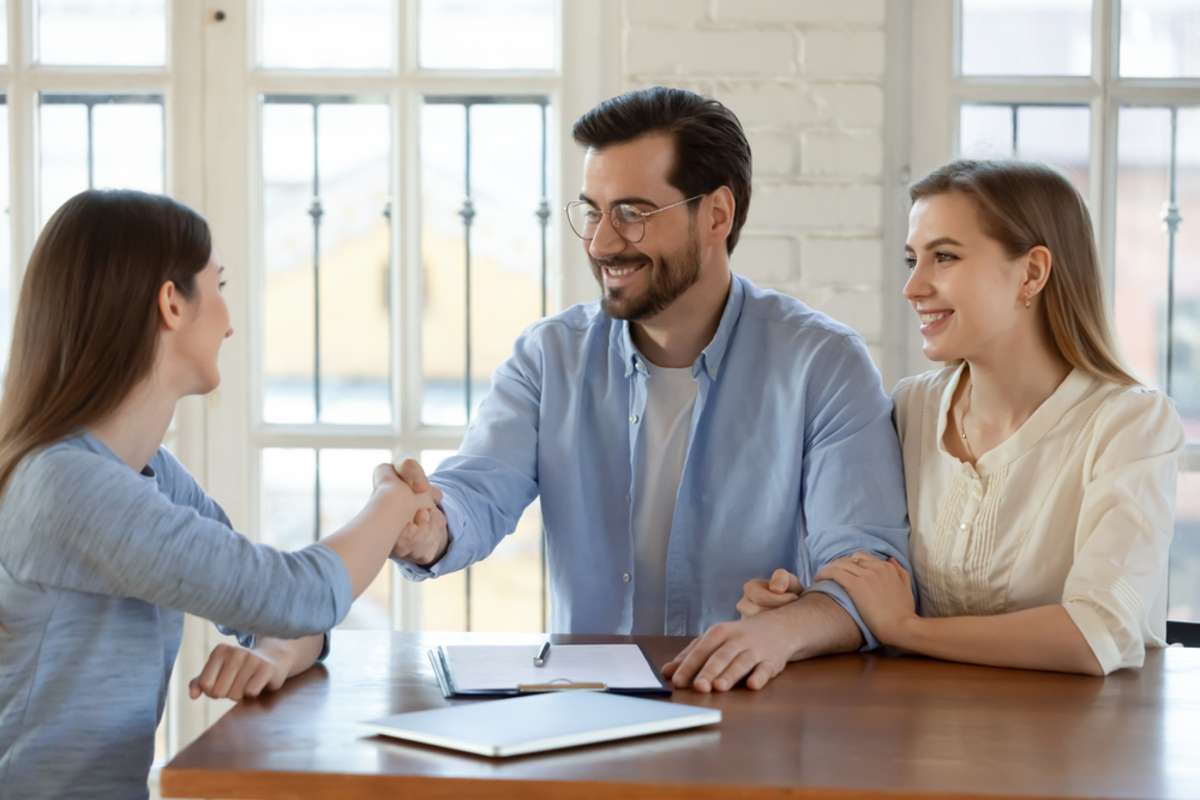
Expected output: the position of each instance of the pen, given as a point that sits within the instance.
(543, 653)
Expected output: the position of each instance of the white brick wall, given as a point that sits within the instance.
(806, 79)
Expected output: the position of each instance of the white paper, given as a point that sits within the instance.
(495, 667)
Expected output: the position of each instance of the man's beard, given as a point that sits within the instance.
(668, 279)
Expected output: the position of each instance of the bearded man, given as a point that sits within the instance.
(687, 433)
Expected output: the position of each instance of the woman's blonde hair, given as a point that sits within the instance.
(1024, 205)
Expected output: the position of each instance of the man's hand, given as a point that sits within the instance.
(425, 538)
(729, 651)
(762, 595)
(234, 672)
(761, 646)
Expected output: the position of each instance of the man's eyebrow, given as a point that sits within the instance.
(632, 200)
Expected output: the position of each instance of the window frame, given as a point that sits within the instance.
(585, 74)
(938, 90)
(178, 82)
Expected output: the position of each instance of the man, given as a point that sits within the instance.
(688, 433)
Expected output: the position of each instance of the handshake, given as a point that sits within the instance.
(403, 495)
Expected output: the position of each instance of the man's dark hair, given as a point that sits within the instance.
(711, 150)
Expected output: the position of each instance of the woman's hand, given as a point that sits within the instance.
(881, 591)
(235, 673)
(760, 594)
(407, 497)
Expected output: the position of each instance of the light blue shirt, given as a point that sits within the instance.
(792, 461)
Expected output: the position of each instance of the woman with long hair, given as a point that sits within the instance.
(1041, 476)
(105, 540)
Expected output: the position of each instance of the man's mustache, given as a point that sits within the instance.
(618, 261)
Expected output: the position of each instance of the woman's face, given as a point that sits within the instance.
(966, 290)
(204, 330)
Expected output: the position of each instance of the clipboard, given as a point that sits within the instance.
(439, 659)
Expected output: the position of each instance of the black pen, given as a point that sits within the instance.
(543, 653)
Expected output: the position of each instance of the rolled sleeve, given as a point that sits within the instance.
(854, 496)
(1115, 592)
(834, 590)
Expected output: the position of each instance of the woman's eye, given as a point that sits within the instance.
(910, 262)
(945, 257)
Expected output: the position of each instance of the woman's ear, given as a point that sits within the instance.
(1038, 263)
(170, 306)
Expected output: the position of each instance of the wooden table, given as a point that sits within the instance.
(838, 727)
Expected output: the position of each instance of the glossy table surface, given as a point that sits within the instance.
(842, 726)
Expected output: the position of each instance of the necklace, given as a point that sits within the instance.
(962, 422)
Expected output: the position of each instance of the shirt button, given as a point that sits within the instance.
(626, 578)
(963, 527)
(633, 419)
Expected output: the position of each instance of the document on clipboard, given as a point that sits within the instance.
(501, 670)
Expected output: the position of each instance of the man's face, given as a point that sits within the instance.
(639, 280)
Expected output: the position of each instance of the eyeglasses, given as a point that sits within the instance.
(627, 220)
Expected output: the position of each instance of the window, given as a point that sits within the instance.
(84, 107)
(382, 178)
(401, 237)
(1107, 91)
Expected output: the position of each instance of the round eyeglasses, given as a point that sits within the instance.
(626, 219)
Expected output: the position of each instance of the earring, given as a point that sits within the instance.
(1028, 302)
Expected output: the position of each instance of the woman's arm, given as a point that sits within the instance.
(235, 672)
(1035, 638)
(79, 521)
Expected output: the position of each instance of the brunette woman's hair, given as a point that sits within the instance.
(87, 325)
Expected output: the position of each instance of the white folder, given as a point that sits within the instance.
(534, 723)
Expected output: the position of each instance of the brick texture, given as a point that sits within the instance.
(805, 77)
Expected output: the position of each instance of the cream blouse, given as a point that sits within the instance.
(1077, 507)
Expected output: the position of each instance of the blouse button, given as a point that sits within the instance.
(963, 526)
(626, 578)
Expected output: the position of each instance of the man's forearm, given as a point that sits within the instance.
(819, 626)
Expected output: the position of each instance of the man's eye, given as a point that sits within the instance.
(626, 213)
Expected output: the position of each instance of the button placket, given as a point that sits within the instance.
(966, 522)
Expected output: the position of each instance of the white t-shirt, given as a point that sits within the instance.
(666, 426)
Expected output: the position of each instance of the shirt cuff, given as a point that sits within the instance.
(325, 640)
(456, 556)
(834, 590)
(246, 640)
(1096, 633)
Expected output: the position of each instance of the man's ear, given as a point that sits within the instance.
(170, 306)
(718, 222)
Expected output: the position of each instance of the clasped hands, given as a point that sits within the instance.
(412, 499)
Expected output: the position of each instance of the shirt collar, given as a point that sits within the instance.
(712, 355)
(1077, 386)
